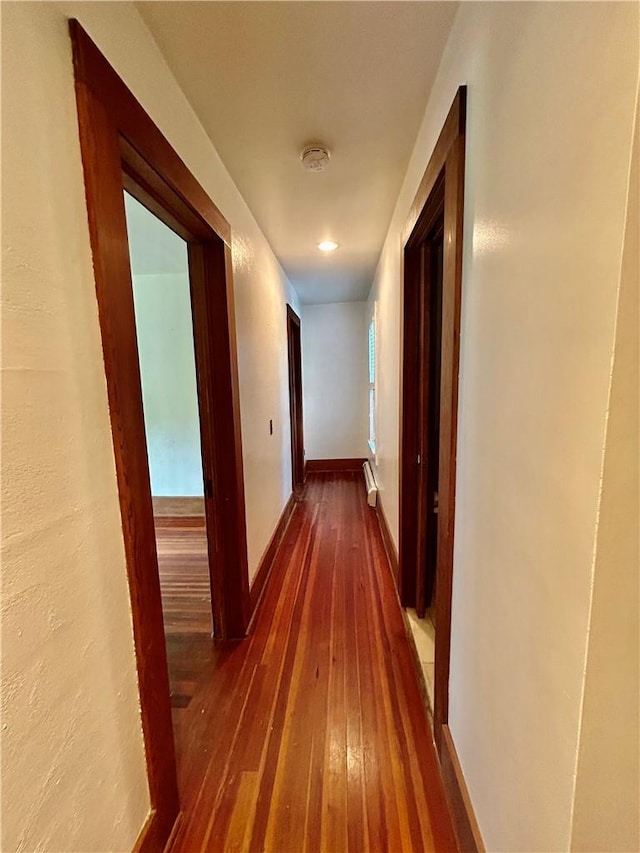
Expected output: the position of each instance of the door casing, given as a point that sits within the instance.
(123, 149)
(424, 261)
(294, 347)
(440, 194)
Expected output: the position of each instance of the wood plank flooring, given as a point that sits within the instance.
(181, 544)
(311, 735)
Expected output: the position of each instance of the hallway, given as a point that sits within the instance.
(312, 733)
(308, 153)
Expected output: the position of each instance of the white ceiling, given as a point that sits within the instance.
(266, 78)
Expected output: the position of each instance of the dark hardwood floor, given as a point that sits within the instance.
(186, 603)
(310, 735)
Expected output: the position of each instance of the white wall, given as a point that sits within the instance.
(607, 805)
(164, 329)
(169, 392)
(74, 775)
(334, 380)
(551, 91)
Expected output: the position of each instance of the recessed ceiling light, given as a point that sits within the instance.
(327, 246)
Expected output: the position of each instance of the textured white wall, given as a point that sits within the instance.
(74, 776)
(551, 91)
(335, 383)
(72, 755)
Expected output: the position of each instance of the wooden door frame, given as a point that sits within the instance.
(418, 292)
(295, 399)
(122, 148)
(441, 190)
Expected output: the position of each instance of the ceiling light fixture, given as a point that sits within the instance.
(315, 158)
(327, 246)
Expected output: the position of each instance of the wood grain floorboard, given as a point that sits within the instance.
(310, 735)
(181, 544)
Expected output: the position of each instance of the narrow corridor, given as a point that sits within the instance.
(312, 734)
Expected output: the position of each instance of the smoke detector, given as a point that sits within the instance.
(315, 158)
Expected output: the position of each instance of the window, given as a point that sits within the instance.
(372, 385)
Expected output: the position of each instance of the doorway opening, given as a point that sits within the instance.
(166, 359)
(122, 149)
(294, 346)
(424, 262)
(432, 280)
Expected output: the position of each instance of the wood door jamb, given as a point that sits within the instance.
(122, 148)
(442, 186)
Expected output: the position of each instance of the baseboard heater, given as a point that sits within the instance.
(370, 484)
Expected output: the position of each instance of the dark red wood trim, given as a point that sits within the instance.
(211, 280)
(154, 836)
(454, 127)
(264, 568)
(294, 349)
(135, 127)
(120, 147)
(409, 407)
(413, 478)
(335, 464)
(464, 819)
(147, 836)
(451, 308)
(105, 205)
(441, 193)
(387, 538)
(467, 831)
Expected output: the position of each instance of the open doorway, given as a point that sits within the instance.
(166, 357)
(294, 347)
(424, 263)
(431, 295)
(429, 438)
(122, 149)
